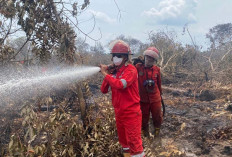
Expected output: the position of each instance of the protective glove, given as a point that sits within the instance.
(111, 68)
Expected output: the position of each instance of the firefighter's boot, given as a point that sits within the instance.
(157, 132)
(146, 132)
(126, 154)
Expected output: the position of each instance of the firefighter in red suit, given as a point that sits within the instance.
(123, 83)
(150, 90)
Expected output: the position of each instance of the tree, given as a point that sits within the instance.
(48, 25)
(220, 37)
(82, 46)
(25, 51)
(98, 48)
(91, 55)
(220, 34)
(168, 48)
(98, 55)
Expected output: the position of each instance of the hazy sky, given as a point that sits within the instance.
(138, 17)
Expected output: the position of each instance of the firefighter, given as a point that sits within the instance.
(149, 89)
(123, 82)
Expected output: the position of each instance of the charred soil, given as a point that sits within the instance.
(192, 127)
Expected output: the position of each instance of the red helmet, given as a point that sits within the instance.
(120, 47)
(152, 52)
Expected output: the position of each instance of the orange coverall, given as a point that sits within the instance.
(125, 100)
(150, 98)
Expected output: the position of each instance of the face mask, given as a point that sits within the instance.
(117, 61)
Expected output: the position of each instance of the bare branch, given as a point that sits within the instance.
(165, 66)
(8, 32)
(83, 31)
(162, 57)
(209, 60)
(227, 53)
(195, 46)
(94, 24)
(119, 10)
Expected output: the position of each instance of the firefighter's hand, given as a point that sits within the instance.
(111, 68)
(104, 69)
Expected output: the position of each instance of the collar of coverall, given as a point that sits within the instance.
(122, 67)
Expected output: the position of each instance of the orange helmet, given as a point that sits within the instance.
(152, 52)
(120, 47)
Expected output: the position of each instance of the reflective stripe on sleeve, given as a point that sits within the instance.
(124, 83)
(125, 148)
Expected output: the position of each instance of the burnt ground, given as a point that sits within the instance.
(193, 128)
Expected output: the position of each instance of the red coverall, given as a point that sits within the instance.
(125, 99)
(150, 100)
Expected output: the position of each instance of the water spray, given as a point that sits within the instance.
(30, 84)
